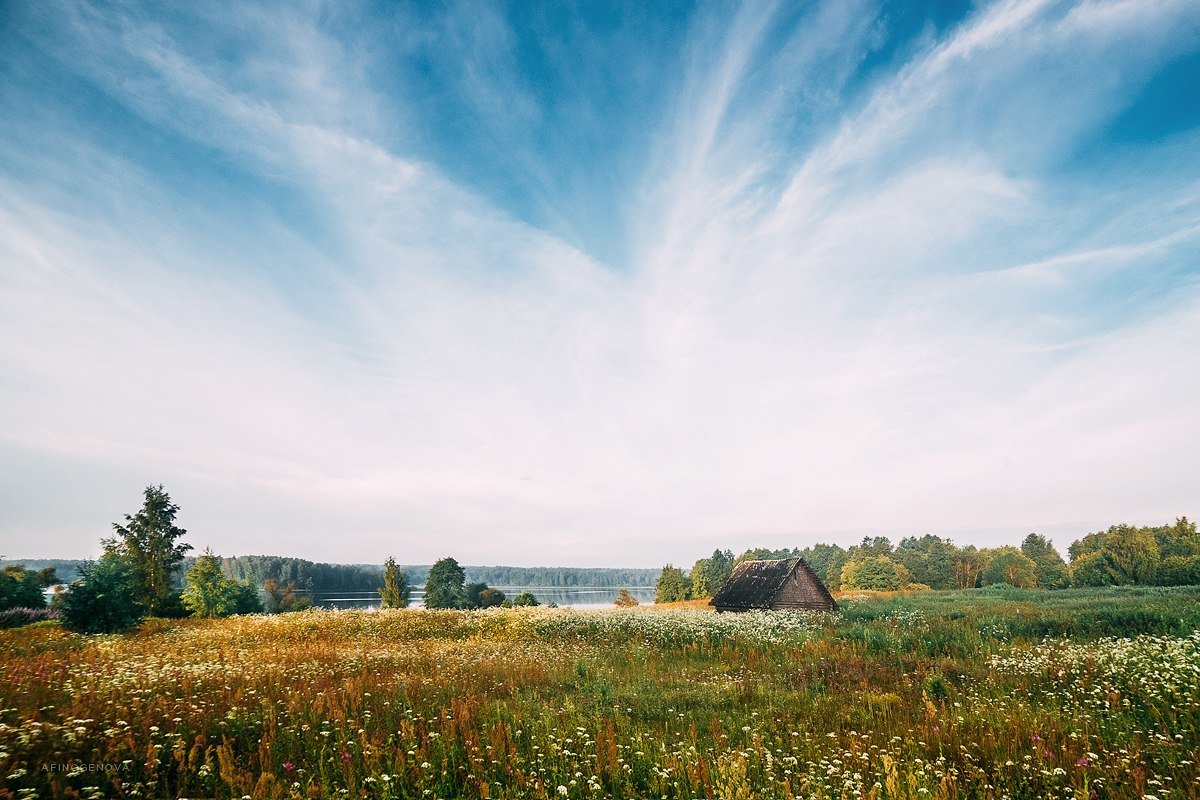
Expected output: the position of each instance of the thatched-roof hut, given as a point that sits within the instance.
(780, 584)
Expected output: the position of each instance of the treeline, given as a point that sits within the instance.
(556, 576)
(446, 587)
(1167, 555)
(66, 569)
(145, 571)
(139, 574)
(315, 577)
(308, 576)
(1163, 555)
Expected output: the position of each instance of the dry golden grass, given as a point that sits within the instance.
(691, 605)
(886, 700)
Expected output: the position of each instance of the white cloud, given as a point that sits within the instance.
(853, 352)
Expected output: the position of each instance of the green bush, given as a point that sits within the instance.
(104, 599)
(172, 607)
(525, 599)
(246, 599)
(21, 588)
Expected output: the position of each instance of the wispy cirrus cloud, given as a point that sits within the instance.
(849, 292)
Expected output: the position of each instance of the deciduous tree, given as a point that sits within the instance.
(1131, 554)
(1179, 571)
(672, 586)
(280, 598)
(876, 573)
(702, 586)
(930, 560)
(395, 590)
(968, 564)
(444, 588)
(1090, 569)
(210, 594)
(1009, 565)
(1051, 569)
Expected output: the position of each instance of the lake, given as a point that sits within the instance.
(563, 596)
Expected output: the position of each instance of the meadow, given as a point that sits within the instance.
(987, 693)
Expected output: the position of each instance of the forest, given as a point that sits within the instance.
(1122, 555)
(314, 577)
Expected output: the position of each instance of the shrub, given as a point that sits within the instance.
(625, 599)
(172, 607)
(525, 599)
(280, 598)
(491, 598)
(480, 595)
(246, 599)
(16, 617)
(104, 599)
(935, 687)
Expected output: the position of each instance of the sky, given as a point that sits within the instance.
(597, 284)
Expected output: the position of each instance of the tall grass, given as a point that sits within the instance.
(982, 694)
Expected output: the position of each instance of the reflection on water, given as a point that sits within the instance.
(564, 596)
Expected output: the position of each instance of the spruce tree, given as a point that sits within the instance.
(149, 543)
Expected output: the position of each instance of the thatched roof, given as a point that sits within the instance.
(776, 584)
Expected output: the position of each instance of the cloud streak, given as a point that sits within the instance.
(855, 293)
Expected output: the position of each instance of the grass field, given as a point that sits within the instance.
(1015, 694)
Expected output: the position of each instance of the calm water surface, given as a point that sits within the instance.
(564, 596)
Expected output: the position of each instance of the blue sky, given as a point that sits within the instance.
(597, 283)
